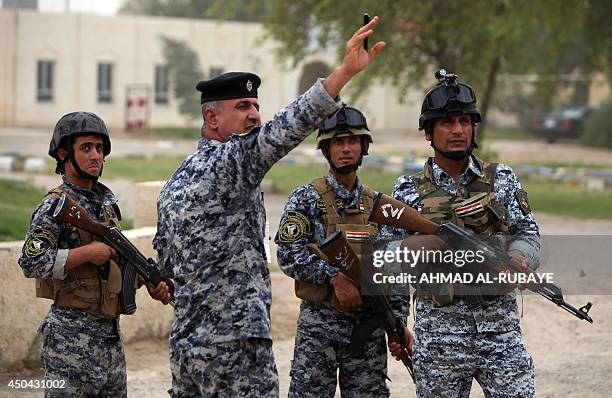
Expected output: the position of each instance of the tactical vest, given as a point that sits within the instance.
(84, 288)
(359, 232)
(474, 209)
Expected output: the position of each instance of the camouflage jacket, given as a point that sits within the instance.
(501, 313)
(46, 247)
(305, 207)
(211, 222)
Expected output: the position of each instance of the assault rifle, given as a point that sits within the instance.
(389, 211)
(341, 255)
(66, 209)
(497, 260)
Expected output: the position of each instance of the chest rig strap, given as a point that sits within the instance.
(334, 216)
(359, 233)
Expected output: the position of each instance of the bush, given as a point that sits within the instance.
(598, 128)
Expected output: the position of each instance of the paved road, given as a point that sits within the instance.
(35, 142)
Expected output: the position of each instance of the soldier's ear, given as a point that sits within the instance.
(211, 118)
(365, 147)
(428, 135)
(62, 153)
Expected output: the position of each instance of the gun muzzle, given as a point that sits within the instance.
(389, 211)
(341, 255)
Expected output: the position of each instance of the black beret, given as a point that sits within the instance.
(229, 85)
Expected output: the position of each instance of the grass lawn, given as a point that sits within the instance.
(18, 201)
(175, 132)
(569, 200)
(141, 169)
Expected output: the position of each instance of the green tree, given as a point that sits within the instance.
(183, 70)
(598, 130)
(477, 39)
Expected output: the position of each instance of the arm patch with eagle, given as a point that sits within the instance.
(294, 226)
(39, 242)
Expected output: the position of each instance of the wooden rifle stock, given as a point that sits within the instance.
(390, 211)
(66, 209)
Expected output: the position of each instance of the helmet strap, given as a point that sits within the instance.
(80, 172)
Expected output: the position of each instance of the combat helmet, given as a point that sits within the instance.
(448, 98)
(72, 125)
(346, 121)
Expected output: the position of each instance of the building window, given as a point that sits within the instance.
(215, 71)
(105, 83)
(44, 81)
(161, 84)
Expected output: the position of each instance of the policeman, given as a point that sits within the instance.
(331, 305)
(211, 223)
(80, 338)
(456, 342)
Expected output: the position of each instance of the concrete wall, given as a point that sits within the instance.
(22, 312)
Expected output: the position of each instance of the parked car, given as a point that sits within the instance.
(561, 123)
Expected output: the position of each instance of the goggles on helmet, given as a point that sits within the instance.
(441, 96)
(344, 119)
(447, 98)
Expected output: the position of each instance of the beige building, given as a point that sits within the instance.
(52, 64)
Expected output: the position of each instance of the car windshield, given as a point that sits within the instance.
(570, 113)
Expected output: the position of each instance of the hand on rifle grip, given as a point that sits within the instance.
(396, 349)
(160, 292)
(347, 293)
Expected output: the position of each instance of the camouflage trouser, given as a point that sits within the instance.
(91, 366)
(445, 364)
(316, 361)
(239, 368)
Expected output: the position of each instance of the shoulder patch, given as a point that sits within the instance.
(523, 202)
(38, 243)
(294, 226)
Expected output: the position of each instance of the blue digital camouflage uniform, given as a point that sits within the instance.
(211, 222)
(453, 344)
(323, 333)
(83, 349)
